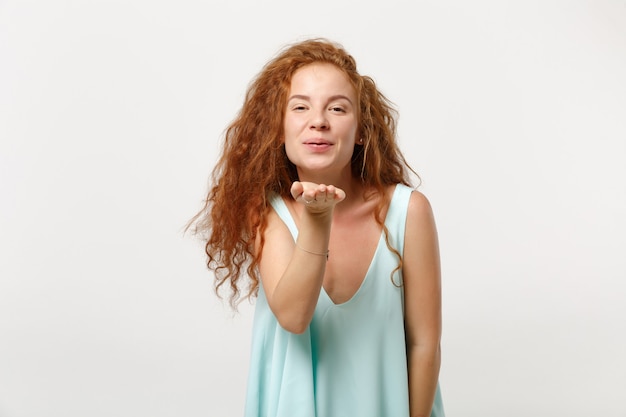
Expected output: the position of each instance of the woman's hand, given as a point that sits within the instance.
(317, 198)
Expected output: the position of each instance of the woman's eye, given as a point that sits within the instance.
(299, 107)
(337, 109)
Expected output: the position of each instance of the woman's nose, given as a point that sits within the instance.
(319, 121)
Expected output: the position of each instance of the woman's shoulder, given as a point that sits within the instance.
(418, 198)
(416, 204)
(419, 213)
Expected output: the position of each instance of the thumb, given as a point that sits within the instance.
(296, 189)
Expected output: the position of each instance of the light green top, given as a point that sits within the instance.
(351, 361)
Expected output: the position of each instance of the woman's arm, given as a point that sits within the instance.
(422, 282)
(293, 275)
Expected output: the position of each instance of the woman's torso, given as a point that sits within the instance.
(351, 361)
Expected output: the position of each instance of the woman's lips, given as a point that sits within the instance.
(316, 145)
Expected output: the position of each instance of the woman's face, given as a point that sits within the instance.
(320, 121)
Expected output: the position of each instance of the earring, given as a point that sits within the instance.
(360, 141)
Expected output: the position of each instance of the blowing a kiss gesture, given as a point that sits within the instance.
(317, 198)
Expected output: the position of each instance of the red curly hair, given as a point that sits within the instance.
(253, 164)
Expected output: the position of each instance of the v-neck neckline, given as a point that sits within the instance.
(363, 280)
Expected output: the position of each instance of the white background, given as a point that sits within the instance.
(111, 114)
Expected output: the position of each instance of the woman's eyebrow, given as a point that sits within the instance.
(339, 97)
(299, 97)
(331, 98)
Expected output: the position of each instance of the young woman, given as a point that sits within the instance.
(311, 206)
